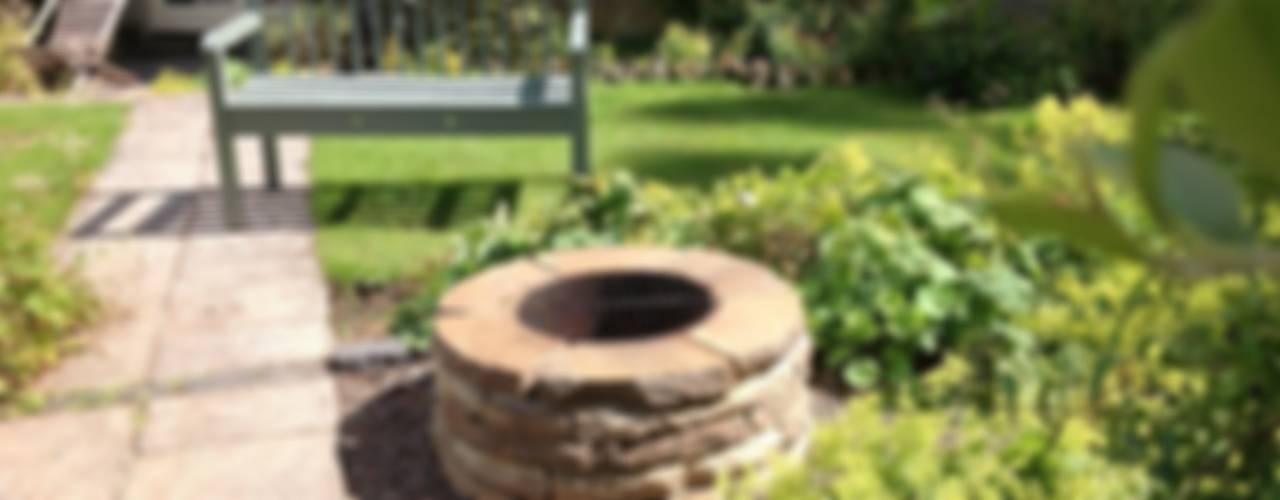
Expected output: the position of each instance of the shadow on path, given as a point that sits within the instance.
(161, 213)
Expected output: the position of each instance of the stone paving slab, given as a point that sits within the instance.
(196, 319)
(130, 277)
(69, 456)
(115, 354)
(239, 413)
(187, 357)
(132, 280)
(252, 305)
(253, 247)
(281, 468)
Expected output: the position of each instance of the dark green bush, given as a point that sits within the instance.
(893, 269)
(981, 52)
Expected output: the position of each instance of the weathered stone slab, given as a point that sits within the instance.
(111, 356)
(240, 413)
(130, 276)
(228, 348)
(68, 456)
(662, 482)
(131, 279)
(303, 466)
(510, 417)
(250, 247)
(486, 331)
(250, 306)
(468, 466)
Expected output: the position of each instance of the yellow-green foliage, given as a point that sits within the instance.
(173, 82)
(394, 57)
(16, 75)
(687, 50)
(439, 58)
(1039, 152)
(1178, 371)
(282, 67)
(952, 453)
(39, 304)
(1182, 370)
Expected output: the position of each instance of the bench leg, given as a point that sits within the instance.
(271, 162)
(229, 179)
(581, 151)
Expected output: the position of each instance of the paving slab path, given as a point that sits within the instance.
(204, 378)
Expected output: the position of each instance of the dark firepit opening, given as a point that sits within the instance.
(615, 306)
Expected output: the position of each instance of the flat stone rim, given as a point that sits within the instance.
(756, 318)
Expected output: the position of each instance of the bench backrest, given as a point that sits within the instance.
(450, 37)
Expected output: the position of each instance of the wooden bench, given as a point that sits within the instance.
(398, 67)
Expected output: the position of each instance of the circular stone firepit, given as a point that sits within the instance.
(617, 373)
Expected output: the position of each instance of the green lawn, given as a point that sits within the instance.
(48, 152)
(386, 205)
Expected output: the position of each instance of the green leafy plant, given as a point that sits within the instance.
(39, 304)
(687, 51)
(894, 270)
(1175, 373)
(16, 73)
(174, 82)
(871, 452)
(1181, 368)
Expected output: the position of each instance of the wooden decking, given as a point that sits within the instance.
(82, 30)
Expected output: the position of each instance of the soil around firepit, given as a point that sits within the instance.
(361, 313)
(385, 449)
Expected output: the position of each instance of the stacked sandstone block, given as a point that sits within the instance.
(523, 414)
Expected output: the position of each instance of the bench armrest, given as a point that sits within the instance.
(579, 29)
(231, 33)
(216, 42)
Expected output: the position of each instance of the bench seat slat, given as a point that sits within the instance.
(377, 120)
(403, 92)
(376, 81)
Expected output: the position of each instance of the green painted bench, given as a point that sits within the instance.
(396, 67)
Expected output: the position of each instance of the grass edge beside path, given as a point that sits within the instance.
(49, 153)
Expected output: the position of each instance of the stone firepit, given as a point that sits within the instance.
(617, 373)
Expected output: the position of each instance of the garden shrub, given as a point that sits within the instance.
(893, 269)
(16, 74)
(1179, 342)
(39, 304)
(982, 52)
(948, 453)
(988, 52)
(1176, 373)
(687, 51)
(1139, 386)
